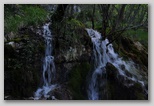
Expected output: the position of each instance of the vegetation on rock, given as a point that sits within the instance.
(125, 25)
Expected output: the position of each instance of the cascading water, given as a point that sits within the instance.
(49, 70)
(102, 55)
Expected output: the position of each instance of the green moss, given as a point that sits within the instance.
(41, 48)
(77, 79)
(17, 40)
(139, 96)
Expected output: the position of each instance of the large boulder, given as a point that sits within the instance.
(120, 87)
(23, 64)
(129, 49)
(72, 54)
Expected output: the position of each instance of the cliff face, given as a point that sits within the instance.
(73, 53)
(24, 59)
(73, 60)
(23, 64)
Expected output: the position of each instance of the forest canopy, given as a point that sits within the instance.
(112, 20)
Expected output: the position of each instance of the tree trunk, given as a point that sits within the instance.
(105, 9)
(59, 14)
(92, 20)
(119, 18)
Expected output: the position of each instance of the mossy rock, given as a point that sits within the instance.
(116, 89)
(77, 80)
(126, 48)
(139, 96)
(23, 65)
(111, 71)
(23, 82)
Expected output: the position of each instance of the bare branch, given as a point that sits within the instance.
(121, 31)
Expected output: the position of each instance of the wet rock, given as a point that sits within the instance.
(120, 87)
(111, 72)
(61, 92)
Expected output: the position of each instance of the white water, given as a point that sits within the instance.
(49, 70)
(102, 55)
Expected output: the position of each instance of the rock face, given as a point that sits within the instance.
(23, 64)
(117, 87)
(134, 50)
(22, 71)
(73, 61)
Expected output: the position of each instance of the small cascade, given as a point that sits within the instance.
(49, 71)
(102, 55)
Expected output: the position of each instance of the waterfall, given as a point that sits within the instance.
(102, 55)
(49, 70)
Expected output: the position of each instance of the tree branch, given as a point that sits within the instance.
(119, 32)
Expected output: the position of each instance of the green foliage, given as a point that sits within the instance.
(34, 15)
(12, 23)
(77, 79)
(88, 24)
(25, 15)
(75, 23)
(138, 35)
(71, 30)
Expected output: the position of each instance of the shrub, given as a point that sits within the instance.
(23, 16)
